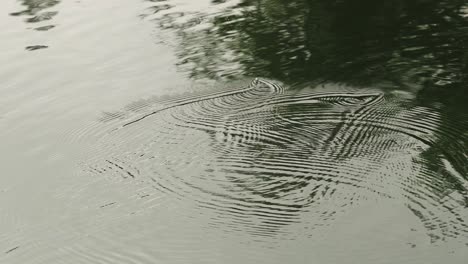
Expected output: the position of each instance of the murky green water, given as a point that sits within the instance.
(267, 131)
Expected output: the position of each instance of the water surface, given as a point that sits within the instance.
(242, 131)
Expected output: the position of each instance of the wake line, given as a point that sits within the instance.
(274, 88)
(252, 86)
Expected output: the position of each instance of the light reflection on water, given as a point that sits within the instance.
(132, 132)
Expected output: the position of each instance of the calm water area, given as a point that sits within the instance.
(233, 131)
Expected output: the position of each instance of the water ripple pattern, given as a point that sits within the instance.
(264, 158)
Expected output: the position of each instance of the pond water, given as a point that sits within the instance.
(211, 131)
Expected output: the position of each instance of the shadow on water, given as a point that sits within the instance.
(266, 154)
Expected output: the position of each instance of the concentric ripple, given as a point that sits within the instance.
(262, 158)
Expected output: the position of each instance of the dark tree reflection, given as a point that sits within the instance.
(355, 41)
(35, 10)
(420, 45)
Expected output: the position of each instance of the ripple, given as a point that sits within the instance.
(262, 158)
